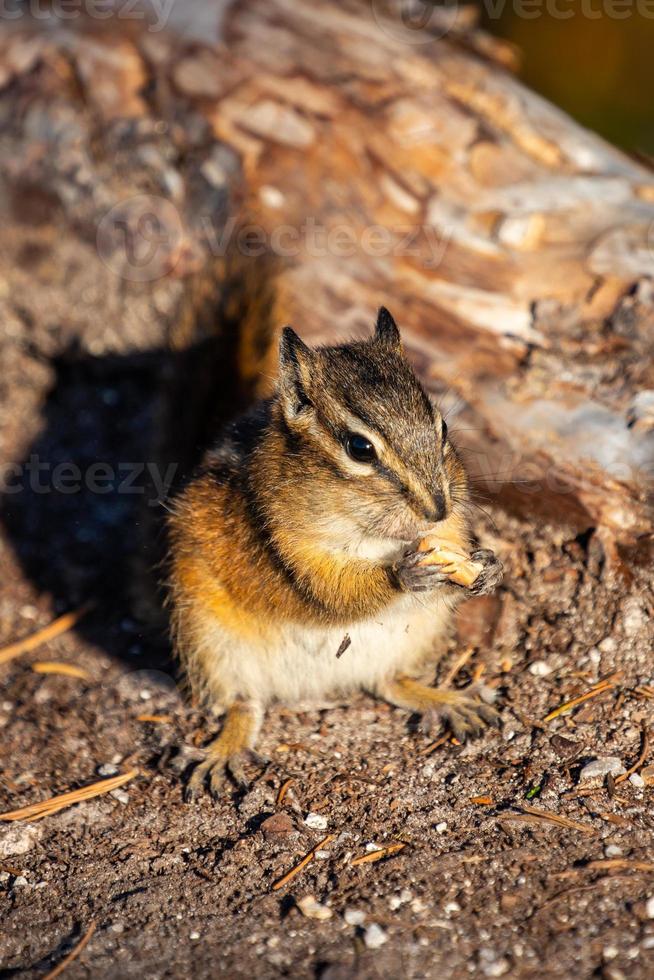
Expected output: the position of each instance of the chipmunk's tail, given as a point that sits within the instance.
(222, 356)
(223, 344)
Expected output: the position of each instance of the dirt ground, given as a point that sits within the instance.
(491, 881)
(176, 889)
(481, 888)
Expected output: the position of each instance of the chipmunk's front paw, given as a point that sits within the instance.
(411, 576)
(490, 576)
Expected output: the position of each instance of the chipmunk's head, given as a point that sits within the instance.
(369, 449)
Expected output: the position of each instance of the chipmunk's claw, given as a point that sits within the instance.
(414, 577)
(490, 576)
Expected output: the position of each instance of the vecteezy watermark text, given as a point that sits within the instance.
(155, 13)
(344, 241)
(141, 239)
(67, 477)
(421, 21)
(154, 481)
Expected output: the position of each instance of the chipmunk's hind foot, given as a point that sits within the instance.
(467, 717)
(227, 754)
(463, 711)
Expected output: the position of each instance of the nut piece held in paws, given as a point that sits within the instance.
(458, 566)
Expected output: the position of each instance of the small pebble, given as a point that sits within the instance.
(107, 769)
(647, 775)
(18, 839)
(371, 846)
(612, 851)
(322, 855)
(491, 964)
(451, 908)
(539, 668)
(649, 907)
(354, 917)
(120, 795)
(374, 937)
(564, 747)
(194, 935)
(599, 769)
(20, 881)
(636, 780)
(634, 617)
(277, 825)
(312, 909)
(394, 903)
(315, 821)
(271, 196)
(441, 827)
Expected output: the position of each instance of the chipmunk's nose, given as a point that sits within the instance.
(437, 511)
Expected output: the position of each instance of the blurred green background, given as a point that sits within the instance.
(594, 58)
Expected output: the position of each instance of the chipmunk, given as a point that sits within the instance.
(302, 525)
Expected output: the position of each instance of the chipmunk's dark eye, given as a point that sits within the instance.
(443, 430)
(359, 448)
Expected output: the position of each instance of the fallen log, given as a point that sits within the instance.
(385, 165)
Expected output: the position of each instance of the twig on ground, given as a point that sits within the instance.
(284, 880)
(283, 790)
(644, 751)
(550, 817)
(435, 745)
(56, 628)
(614, 864)
(601, 688)
(36, 811)
(74, 953)
(383, 852)
(458, 664)
(56, 667)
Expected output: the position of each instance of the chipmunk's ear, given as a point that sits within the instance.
(386, 331)
(295, 361)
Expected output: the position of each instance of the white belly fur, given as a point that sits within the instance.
(301, 664)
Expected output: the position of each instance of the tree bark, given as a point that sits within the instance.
(515, 248)
(387, 166)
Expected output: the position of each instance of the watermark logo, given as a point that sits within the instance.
(140, 238)
(417, 21)
(421, 21)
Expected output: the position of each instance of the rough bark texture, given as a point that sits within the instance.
(515, 251)
(526, 281)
